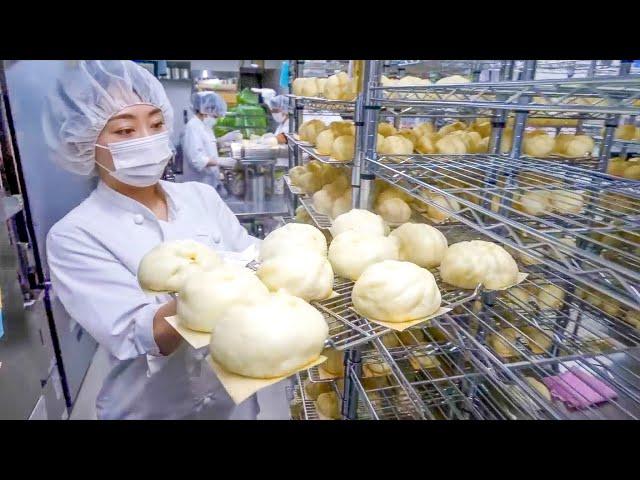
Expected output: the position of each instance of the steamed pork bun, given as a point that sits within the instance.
(396, 145)
(440, 214)
(394, 210)
(574, 145)
(342, 204)
(538, 145)
(205, 297)
(452, 80)
(167, 266)
(567, 202)
(393, 291)
(534, 202)
(359, 220)
(467, 264)
(343, 148)
(293, 236)
(351, 252)
(386, 129)
(324, 142)
(305, 275)
(310, 130)
(421, 244)
(273, 338)
(322, 202)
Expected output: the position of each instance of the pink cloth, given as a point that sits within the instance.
(578, 389)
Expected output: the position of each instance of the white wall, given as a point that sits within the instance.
(219, 65)
(179, 94)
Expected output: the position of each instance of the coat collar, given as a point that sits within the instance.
(130, 205)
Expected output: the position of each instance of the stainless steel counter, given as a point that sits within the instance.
(271, 207)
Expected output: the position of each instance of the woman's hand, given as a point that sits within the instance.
(212, 162)
(167, 338)
(281, 138)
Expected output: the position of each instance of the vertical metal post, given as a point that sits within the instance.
(498, 124)
(358, 157)
(295, 69)
(625, 67)
(352, 366)
(475, 71)
(365, 179)
(528, 73)
(610, 125)
(362, 180)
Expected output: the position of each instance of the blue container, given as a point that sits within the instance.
(284, 74)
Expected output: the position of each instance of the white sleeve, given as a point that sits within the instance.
(102, 295)
(232, 232)
(194, 148)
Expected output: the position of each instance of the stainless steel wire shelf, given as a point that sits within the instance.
(323, 68)
(590, 97)
(617, 370)
(292, 188)
(490, 356)
(348, 329)
(310, 151)
(603, 241)
(452, 384)
(447, 65)
(579, 67)
(320, 104)
(631, 146)
(323, 222)
(465, 380)
(322, 158)
(309, 408)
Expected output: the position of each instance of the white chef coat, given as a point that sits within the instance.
(93, 255)
(199, 145)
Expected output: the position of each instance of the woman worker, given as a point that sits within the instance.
(199, 143)
(113, 119)
(279, 104)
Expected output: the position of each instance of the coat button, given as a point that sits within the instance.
(138, 219)
(216, 238)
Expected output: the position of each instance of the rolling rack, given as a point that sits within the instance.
(578, 310)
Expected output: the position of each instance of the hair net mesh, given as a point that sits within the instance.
(208, 103)
(83, 101)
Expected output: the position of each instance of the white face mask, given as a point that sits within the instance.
(279, 116)
(210, 122)
(139, 162)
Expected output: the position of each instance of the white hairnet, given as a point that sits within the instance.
(279, 102)
(84, 100)
(209, 103)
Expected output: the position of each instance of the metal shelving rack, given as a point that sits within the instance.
(594, 251)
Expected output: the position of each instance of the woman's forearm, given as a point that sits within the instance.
(167, 338)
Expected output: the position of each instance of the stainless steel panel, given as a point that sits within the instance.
(52, 191)
(55, 403)
(77, 347)
(21, 352)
